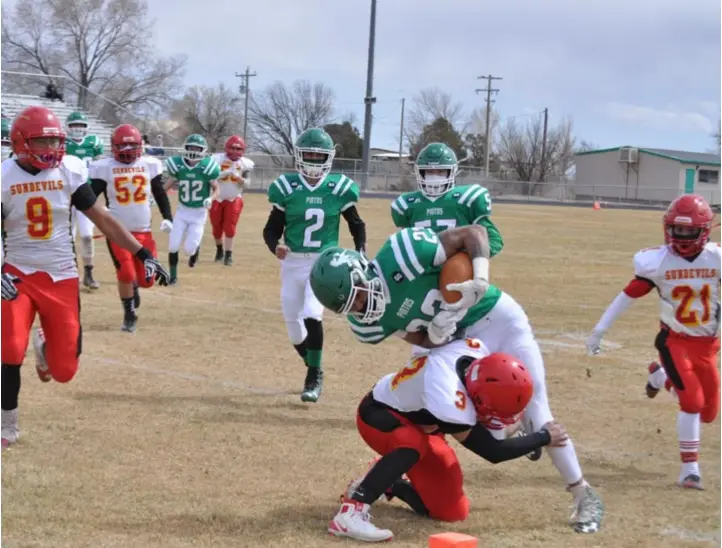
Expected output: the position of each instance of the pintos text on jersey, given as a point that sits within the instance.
(36, 186)
(690, 273)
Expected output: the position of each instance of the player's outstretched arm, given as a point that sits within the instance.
(161, 197)
(356, 227)
(480, 441)
(273, 231)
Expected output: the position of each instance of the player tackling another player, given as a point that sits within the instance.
(193, 175)
(87, 148)
(228, 204)
(686, 274)
(307, 207)
(39, 275)
(461, 390)
(128, 180)
(398, 293)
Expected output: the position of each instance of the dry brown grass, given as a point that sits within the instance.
(191, 433)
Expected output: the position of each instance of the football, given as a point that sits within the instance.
(456, 269)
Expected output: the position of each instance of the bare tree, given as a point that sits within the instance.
(103, 46)
(215, 113)
(278, 114)
(520, 149)
(717, 135)
(586, 146)
(431, 104)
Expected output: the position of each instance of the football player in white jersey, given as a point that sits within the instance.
(128, 180)
(686, 274)
(460, 389)
(228, 203)
(40, 275)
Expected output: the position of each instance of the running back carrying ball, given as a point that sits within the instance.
(457, 269)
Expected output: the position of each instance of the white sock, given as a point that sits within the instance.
(658, 378)
(565, 460)
(688, 433)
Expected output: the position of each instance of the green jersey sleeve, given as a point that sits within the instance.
(172, 166)
(99, 147)
(399, 210)
(212, 169)
(479, 203)
(348, 193)
(278, 191)
(413, 251)
(369, 333)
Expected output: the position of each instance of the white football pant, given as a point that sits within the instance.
(189, 223)
(84, 226)
(297, 298)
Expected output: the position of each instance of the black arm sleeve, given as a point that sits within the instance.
(481, 442)
(356, 227)
(273, 231)
(160, 197)
(99, 186)
(83, 198)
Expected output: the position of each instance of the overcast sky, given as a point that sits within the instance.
(636, 72)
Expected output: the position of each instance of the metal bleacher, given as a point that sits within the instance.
(13, 103)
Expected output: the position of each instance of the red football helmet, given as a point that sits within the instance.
(500, 387)
(37, 138)
(235, 147)
(127, 143)
(687, 225)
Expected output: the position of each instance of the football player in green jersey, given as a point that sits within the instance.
(87, 148)
(7, 151)
(193, 175)
(398, 293)
(307, 207)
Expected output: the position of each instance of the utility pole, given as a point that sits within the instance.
(487, 137)
(369, 99)
(542, 171)
(245, 89)
(401, 132)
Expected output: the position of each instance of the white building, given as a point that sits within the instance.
(630, 174)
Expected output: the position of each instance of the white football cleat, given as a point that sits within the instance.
(354, 521)
(41, 364)
(10, 429)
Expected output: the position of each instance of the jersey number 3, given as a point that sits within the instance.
(40, 218)
(123, 194)
(317, 216)
(687, 295)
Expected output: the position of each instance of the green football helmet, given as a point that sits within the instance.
(195, 147)
(314, 141)
(339, 276)
(436, 156)
(77, 125)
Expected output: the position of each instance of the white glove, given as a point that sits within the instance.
(207, 203)
(166, 226)
(443, 326)
(594, 343)
(471, 291)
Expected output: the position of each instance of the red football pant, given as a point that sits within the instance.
(128, 268)
(224, 217)
(58, 304)
(691, 366)
(437, 477)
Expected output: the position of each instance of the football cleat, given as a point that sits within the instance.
(313, 385)
(219, 255)
(692, 481)
(129, 323)
(41, 364)
(89, 281)
(228, 260)
(194, 258)
(588, 512)
(354, 521)
(10, 429)
(653, 369)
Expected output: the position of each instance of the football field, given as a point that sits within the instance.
(191, 432)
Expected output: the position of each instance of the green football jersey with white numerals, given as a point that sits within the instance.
(194, 182)
(87, 150)
(313, 214)
(461, 206)
(409, 264)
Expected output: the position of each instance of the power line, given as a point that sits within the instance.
(245, 89)
(487, 137)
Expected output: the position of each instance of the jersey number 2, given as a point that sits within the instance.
(123, 194)
(40, 218)
(686, 295)
(318, 216)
